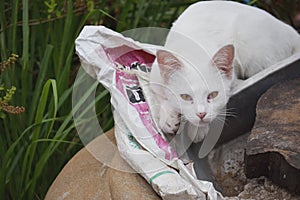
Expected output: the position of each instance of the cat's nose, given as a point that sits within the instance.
(201, 115)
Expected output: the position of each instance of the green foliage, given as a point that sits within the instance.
(35, 145)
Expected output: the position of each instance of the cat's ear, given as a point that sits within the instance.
(223, 60)
(167, 63)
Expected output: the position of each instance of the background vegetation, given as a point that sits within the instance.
(39, 136)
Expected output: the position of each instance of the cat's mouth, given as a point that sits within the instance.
(203, 123)
(200, 123)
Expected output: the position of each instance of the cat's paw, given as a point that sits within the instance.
(169, 121)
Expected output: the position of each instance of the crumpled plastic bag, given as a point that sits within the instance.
(123, 65)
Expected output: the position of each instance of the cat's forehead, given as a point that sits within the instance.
(196, 81)
(201, 72)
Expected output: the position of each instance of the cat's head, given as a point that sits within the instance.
(198, 90)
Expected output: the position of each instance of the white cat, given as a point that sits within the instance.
(209, 47)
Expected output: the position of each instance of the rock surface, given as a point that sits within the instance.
(227, 163)
(85, 177)
(273, 148)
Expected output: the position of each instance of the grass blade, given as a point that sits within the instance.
(25, 51)
(31, 150)
(40, 79)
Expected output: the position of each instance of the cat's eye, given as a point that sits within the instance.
(212, 95)
(186, 97)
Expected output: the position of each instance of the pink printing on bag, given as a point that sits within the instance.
(127, 59)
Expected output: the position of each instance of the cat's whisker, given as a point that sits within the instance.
(228, 109)
(224, 115)
(228, 113)
(222, 120)
(232, 113)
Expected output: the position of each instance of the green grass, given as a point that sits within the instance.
(35, 145)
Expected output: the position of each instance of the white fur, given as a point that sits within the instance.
(259, 41)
